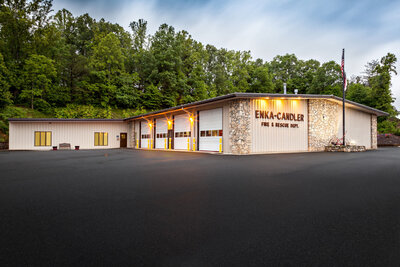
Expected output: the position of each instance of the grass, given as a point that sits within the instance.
(16, 112)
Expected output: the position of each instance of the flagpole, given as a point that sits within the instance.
(344, 97)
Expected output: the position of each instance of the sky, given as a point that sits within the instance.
(310, 29)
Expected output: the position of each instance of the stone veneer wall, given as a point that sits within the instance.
(132, 140)
(239, 126)
(322, 123)
(374, 132)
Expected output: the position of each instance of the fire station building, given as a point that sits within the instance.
(239, 123)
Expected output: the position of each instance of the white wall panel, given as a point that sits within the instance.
(358, 127)
(75, 133)
(279, 139)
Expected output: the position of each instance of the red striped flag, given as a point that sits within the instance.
(343, 72)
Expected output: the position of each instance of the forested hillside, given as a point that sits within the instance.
(62, 65)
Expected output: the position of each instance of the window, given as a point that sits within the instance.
(183, 134)
(145, 136)
(101, 139)
(42, 138)
(211, 133)
(161, 135)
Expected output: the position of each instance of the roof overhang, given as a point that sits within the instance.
(224, 98)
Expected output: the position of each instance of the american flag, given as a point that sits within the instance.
(343, 72)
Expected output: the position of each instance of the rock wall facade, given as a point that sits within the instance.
(374, 132)
(239, 126)
(322, 123)
(131, 138)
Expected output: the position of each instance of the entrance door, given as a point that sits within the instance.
(123, 141)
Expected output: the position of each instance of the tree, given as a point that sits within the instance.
(168, 64)
(261, 78)
(127, 95)
(285, 69)
(152, 98)
(139, 29)
(5, 94)
(108, 56)
(37, 78)
(327, 80)
(359, 93)
(380, 81)
(107, 64)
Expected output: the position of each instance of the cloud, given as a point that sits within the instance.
(310, 29)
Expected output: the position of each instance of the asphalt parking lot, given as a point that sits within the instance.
(147, 208)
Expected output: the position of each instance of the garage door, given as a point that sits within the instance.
(145, 135)
(182, 131)
(210, 129)
(161, 133)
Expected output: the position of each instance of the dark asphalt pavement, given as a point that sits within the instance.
(147, 208)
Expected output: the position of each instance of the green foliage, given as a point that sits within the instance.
(132, 113)
(5, 95)
(15, 112)
(359, 93)
(389, 125)
(79, 111)
(327, 80)
(37, 80)
(380, 82)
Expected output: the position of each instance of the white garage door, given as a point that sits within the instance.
(145, 135)
(210, 129)
(181, 131)
(161, 133)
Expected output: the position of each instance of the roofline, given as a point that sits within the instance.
(258, 95)
(62, 120)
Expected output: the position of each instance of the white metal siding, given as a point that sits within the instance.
(75, 133)
(210, 120)
(279, 139)
(161, 128)
(181, 124)
(358, 127)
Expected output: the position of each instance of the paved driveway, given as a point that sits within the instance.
(127, 207)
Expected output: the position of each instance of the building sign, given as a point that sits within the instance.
(285, 119)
